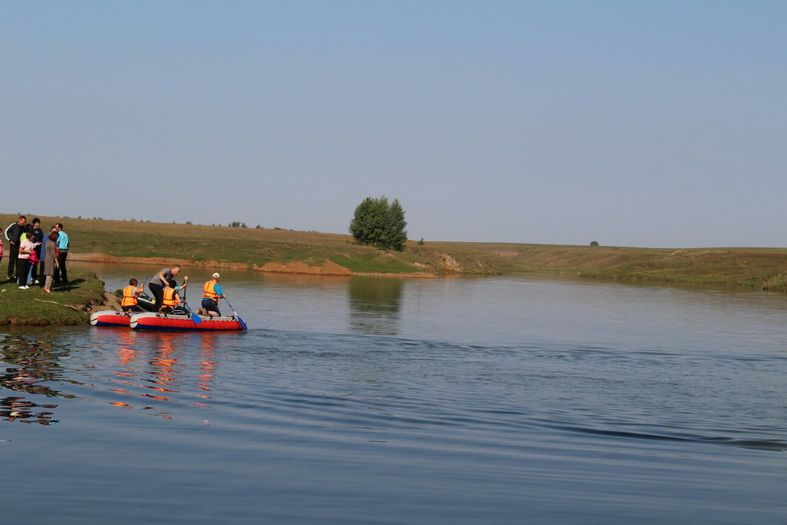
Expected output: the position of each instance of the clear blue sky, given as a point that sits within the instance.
(630, 123)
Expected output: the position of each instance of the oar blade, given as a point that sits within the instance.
(242, 323)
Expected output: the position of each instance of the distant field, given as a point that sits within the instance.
(283, 250)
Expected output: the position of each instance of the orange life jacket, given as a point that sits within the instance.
(129, 297)
(169, 297)
(208, 291)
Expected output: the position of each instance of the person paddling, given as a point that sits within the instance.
(128, 303)
(211, 293)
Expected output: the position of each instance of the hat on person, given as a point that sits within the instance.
(216, 275)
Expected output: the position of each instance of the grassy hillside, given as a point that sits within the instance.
(752, 267)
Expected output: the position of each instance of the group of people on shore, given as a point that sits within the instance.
(169, 296)
(34, 256)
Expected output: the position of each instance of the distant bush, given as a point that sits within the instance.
(421, 242)
(258, 227)
(594, 243)
(379, 223)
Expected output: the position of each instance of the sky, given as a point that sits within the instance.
(628, 123)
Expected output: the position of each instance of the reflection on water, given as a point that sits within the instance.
(207, 365)
(375, 305)
(34, 362)
(21, 409)
(149, 370)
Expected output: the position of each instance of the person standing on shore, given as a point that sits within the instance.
(161, 280)
(62, 254)
(32, 260)
(38, 239)
(50, 260)
(13, 233)
(43, 246)
(23, 261)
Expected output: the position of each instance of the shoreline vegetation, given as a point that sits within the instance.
(67, 305)
(278, 250)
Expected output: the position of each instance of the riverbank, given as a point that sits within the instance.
(66, 305)
(284, 251)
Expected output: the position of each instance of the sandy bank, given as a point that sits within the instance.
(327, 268)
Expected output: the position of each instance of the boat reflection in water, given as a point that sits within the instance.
(30, 363)
(207, 366)
(154, 371)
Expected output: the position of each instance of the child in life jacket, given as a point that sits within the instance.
(130, 297)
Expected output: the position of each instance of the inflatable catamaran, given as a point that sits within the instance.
(184, 323)
(110, 318)
(182, 320)
(167, 322)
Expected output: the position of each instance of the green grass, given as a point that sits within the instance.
(26, 307)
(750, 267)
(382, 264)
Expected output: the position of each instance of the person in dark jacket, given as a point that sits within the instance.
(13, 234)
(37, 236)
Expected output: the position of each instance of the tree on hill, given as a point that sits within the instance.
(379, 223)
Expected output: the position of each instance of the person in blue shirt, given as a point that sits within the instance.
(211, 293)
(62, 254)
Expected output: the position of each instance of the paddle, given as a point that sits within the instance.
(194, 317)
(241, 321)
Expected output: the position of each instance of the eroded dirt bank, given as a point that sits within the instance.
(328, 267)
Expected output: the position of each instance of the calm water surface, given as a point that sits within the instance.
(507, 400)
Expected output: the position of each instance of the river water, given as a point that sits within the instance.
(503, 400)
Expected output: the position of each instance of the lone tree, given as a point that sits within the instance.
(379, 223)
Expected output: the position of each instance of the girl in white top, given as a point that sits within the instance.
(23, 261)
